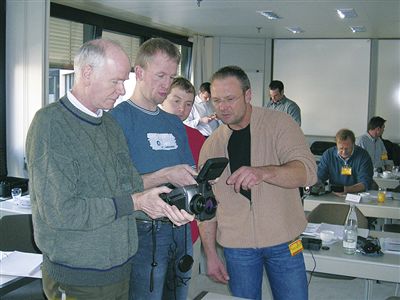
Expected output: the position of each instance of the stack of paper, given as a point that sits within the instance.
(390, 245)
(21, 264)
(312, 229)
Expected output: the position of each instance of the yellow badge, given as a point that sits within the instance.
(346, 170)
(295, 247)
(384, 156)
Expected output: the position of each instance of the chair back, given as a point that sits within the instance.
(16, 234)
(319, 147)
(335, 214)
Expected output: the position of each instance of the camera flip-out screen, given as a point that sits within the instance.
(212, 169)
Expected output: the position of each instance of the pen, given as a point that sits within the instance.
(35, 270)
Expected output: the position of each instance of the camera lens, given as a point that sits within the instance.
(210, 206)
(197, 204)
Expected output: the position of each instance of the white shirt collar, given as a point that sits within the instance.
(75, 102)
(197, 99)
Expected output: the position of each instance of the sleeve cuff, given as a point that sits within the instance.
(123, 206)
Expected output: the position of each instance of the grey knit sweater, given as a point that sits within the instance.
(81, 178)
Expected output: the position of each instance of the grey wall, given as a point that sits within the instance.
(252, 55)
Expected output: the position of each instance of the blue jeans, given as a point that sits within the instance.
(286, 273)
(168, 281)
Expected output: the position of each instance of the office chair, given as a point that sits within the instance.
(319, 147)
(16, 233)
(334, 214)
(391, 228)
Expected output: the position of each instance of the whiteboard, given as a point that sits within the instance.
(388, 88)
(328, 79)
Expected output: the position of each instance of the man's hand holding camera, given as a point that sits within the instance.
(150, 202)
(179, 175)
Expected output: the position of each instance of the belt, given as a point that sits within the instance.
(163, 220)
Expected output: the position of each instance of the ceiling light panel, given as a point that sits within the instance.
(295, 30)
(270, 15)
(346, 13)
(357, 29)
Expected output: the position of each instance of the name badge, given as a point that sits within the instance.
(295, 247)
(384, 156)
(346, 170)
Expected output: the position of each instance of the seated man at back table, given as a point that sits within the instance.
(373, 143)
(346, 165)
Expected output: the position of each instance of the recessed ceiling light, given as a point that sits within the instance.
(270, 15)
(356, 29)
(345, 13)
(295, 30)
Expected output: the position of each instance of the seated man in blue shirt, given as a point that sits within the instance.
(346, 165)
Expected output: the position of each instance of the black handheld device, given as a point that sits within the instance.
(199, 199)
(311, 243)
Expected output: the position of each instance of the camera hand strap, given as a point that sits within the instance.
(153, 263)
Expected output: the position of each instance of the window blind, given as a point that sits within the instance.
(129, 43)
(65, 38)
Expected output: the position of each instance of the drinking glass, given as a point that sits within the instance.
(16, 194)
(396, 170)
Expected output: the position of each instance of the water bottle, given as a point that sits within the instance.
(350, 232)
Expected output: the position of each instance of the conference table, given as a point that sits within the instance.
(368, 205)
(334, 261)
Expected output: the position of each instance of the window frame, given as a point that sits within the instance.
(94, 24)
(3, 123)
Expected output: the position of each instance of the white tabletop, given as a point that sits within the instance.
(9, 207)
(10, 282)
(334, 261)
(369, 206)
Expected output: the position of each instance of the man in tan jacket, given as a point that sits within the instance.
(259, 213)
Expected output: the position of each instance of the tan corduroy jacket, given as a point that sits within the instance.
(275, 215)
